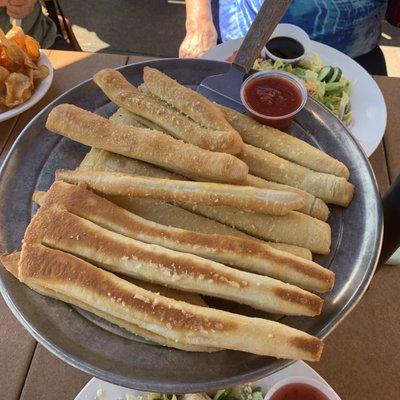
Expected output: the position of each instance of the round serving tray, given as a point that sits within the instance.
(30, 166)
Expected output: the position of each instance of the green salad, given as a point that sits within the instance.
(324, 82)
(245, 392)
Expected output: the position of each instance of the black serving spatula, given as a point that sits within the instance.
(225, 88)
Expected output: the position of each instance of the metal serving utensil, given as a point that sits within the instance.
(226, 87)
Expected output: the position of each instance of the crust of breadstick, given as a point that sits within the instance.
(125, 95)
(186, 100)
(309, 232)
(144, 144)
(157, 264)
(11, 261)
(245, 254)
(133, 328)
(284, 145)
(177, 321)
(312, 206)
(330, 188)
(178, 192)
(123, 116)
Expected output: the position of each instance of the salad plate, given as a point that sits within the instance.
(97, 389)
(368, 108)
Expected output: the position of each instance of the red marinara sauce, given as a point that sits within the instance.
(273, 96)
(298, 391)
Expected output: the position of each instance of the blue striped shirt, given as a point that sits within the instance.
(351, 26)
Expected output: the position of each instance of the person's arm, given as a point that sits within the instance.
(19, 9)
(201, 34)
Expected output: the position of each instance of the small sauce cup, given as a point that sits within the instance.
(325, 391)
(273, 97)
(293, 32)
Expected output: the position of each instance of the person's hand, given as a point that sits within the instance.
(19, 9)
(198, 40)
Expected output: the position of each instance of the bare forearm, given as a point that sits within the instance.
(201, 34)
(197, 11)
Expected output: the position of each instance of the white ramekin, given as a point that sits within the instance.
(291, 31)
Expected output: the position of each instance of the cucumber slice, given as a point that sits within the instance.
(334, 87)
(325, 74)
(337, 73)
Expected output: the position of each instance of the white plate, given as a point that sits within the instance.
(97, 389)
(38, 93)
(368, 105)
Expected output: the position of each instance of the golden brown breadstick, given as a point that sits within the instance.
(147, 145)
(123, 116)
(157, 264)
(284, 145)
(185, 100)
(312, 206)
(330, 188)
(121, 92)
(245, 254)
(187, 297)
(11, 261)
(165, 213)
(178, 192)
(183, 323)
(309, 232)
(170, 215)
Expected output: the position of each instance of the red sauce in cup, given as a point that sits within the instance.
(273, 96)
(298, 391)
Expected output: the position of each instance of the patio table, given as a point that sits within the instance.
(360, 360)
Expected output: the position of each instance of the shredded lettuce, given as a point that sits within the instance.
(245, 392)
(334, 95)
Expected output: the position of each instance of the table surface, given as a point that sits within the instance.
(360, 359)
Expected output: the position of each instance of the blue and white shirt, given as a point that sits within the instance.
(351, 26)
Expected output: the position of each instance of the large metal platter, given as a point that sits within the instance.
(357, 234)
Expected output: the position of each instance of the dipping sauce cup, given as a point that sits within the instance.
(301, 388)
(273, 97)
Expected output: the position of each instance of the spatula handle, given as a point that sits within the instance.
(268, 17)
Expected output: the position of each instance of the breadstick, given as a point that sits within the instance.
(170, 215)
(312, 206)
(144, 144)
(248, 255)
(187, 101)
(284, 145)
(122, 93)
(177, 321)
(187, 297)
(246, 198)
(11, 261)
(294, 228)
(123, 116)
(157, 264)
(329, 188)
